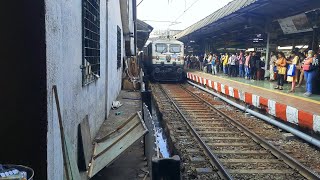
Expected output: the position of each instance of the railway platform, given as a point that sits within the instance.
(292, 108)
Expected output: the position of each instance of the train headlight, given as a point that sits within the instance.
(179, 70)
(157, 58)
(157, 70)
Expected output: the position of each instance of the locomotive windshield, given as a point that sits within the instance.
(161, 48)
(175, 48)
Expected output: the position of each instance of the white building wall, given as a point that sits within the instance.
(64, 57)
(114, 74)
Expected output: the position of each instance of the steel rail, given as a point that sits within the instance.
(216, 162)
(303, 170)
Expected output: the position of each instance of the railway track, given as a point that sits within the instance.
(230, 148)
(195, 163)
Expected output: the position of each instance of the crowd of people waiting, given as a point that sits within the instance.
(295, 68)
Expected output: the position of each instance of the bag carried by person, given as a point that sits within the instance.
(306, 67)
(291, 70)
(275, 69)
(282, 70)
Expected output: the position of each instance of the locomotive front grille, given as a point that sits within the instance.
(168, 58)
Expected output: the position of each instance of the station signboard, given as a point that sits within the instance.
(295, 24)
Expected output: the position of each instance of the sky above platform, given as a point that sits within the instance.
(161, 14)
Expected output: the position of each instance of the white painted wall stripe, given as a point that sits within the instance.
(210, 83)
(215, 84)
(204, 81)
(241, 95)
(200, 78)
(292, 115)
(316, 123)
(231, 92)
(255, 100)
(223, 90)
(272, 107)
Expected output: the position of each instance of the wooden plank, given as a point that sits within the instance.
(224, 138)
(215, 132)
(118, 139)
(209, 128)
(114, 137)
(230, 144)
(109, 150)
(85, 147)
(71, 171)
(249, 152)
(116, 129)
(212, 122)
(249, 161)
(259, 171)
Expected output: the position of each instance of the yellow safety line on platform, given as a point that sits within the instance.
(298, 97)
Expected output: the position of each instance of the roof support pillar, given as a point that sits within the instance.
(267, 52)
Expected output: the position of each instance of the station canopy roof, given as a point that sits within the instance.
(241, 20)
(143, 32)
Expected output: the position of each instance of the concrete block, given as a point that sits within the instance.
(216, 98)
(184, 137)
(247, 115)
(288, 136)
(181, 131)
(203, 170)
(192, 150)
(196, 159)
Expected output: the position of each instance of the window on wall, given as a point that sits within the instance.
(90, 40)
(118, 47)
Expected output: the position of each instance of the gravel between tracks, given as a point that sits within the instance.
(178, 132)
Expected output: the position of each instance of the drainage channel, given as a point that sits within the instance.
(161, 138)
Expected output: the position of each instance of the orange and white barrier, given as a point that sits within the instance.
(276, 109)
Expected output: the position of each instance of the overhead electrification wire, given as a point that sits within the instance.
(160, 21)
(140, 2)
(185, 11)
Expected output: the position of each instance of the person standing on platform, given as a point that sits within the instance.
(241, 64)
(225, 63)
(209, 63)
(273, 60)
(217, 62)
(310, 67)
(237, 66)
(205, 63)
(301, 76)
(252, 65)
(221, 57)
(316, 82)
(290, 78)
(281, 68)
(214, 64)
(258, 66)
(201, 57)
(247, 66)
(232, 65)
